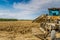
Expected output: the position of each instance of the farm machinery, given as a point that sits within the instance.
(50, 23)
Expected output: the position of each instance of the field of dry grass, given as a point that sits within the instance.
(17, 30)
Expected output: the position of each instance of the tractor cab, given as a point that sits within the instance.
(54, 11)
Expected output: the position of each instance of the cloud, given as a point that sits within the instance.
(32, 6)
(30, 10)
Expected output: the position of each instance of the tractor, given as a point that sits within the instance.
(50, 23)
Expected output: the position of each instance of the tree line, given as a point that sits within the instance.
(3, 19)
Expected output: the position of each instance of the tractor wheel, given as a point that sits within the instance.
(53, 35)
(59, 28)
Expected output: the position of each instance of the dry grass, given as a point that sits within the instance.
(17, 30)
(17, 26)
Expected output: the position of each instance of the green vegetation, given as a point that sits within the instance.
(5, 19)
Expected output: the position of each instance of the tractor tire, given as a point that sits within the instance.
(53, 35)
(59, 28)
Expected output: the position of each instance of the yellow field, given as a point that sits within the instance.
(17, 30)
(17, 26)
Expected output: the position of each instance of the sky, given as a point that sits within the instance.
(26, 9)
